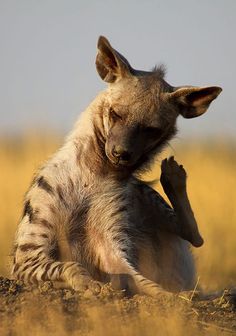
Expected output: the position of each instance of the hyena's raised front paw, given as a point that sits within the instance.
(173, 177)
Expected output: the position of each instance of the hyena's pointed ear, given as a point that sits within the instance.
(194, 101)
(110, 64)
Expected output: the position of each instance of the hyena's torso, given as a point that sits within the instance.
(86, 216)
(72, 213)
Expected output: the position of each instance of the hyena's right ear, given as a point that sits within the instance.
(194, 101)
(110, 64)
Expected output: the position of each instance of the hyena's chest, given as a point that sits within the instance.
(97, 229)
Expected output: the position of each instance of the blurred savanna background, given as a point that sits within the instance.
(47, 77)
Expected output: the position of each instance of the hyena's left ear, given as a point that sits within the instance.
(111, 65)
(194, 101)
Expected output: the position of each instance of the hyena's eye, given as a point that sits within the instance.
(114, 115)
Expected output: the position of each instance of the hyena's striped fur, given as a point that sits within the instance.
(86, 217)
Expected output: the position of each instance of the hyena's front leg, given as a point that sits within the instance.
(173, 180)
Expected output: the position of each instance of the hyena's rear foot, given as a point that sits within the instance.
(154, 290)
(148, 287)
(80, 280)
(173, 180)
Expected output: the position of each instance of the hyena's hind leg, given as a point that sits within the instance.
(173, 180)
(133, 282)
(123, 269)
(38, 267)
(35, 262)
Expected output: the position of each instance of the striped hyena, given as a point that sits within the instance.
(87, 217)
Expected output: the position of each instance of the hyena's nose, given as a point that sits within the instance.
(121, 153)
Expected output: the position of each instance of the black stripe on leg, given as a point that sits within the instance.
(45, 223)
(61, 195)
(43, 184)
(29, 265)
(30, 246)
(32, 270)
(28, 210)
(45, 276)
(44, 235)
(53, 270)
(60, 270)
(15, 268)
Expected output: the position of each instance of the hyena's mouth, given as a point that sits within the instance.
(120, 163)
(117, 162)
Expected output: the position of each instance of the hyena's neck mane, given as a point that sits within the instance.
(88, 140)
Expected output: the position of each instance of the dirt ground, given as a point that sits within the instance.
(49, 311)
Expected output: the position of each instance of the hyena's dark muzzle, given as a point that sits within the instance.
(121, 154)
(124, 146)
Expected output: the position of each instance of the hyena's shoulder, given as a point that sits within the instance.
(54, 193)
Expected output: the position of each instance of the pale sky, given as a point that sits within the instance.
(48, 49)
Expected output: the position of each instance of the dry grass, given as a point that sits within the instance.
(212, 190)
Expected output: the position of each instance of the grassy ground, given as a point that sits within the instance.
(212, 190)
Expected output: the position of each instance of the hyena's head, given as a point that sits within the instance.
(141, 108)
